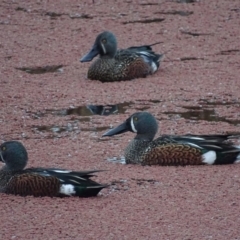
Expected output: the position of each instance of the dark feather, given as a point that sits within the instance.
(14, 179)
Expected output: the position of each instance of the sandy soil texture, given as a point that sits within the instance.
(45, 98)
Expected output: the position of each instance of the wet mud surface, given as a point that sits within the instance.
(47, 103)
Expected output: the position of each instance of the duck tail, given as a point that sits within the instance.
(153, 44)
(89, 191)
(77, 183)
(228, 154)
(143, 47)
(158, 58)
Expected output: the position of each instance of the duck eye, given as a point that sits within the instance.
(135, 119)
(104, 40)
(4, 148)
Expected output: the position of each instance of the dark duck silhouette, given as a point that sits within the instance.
(14, 179)
(171, 149)
(122, 64)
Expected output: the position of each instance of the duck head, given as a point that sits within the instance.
(14, 155)
(105, 45)
(143, 124)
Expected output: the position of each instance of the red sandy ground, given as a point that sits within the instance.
(202, 65)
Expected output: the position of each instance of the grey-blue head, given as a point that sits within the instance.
(14, 155)
(143, 124)
(105, 45)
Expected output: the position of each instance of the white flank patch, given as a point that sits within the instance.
(238, 157)
(132, 125)
(104, 49)
(154, 67)
(67, 189)
(209, 157)
(61, 171)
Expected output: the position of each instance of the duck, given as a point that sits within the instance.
(173, 150)
(123, 64)
(41, 182)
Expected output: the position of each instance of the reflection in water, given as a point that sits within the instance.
(104, 110)
(90, 110)
(93, 110)
(203, 112)
(84, 112)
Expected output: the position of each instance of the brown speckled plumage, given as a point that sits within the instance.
(160, 152)
(172, 154)
(33, 184)
(120, 68)
(173, 150)
(39, 182)
(122, 64)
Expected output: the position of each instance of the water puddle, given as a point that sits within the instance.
(21, 9)
(41, 70)
(235, 9)
(141, 181)
(143, 105)
(97, 110)
(148, 4)
(53, 15)
(195, 34)
(207, 103)
(155, 101)
(54, 129)
(80, 15)
(229, 52)
(89, 110)
(190, 58)
(175, 12)
(103, 110)
(186, 1)
(203, 114)
(146, 21)
(120, 160)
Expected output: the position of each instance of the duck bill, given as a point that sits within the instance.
(90, 55)
(117, 130)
